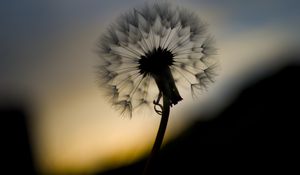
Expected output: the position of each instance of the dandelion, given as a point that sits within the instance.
(147, 52)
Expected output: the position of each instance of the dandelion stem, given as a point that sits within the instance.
(159, 136)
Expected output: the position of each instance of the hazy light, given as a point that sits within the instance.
(74, 127)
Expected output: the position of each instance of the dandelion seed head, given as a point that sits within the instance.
(149, 51)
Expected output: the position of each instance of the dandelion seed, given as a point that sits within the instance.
(156, 42)
(148, 52)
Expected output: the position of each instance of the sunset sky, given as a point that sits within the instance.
(46, 52)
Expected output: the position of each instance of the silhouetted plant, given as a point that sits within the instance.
(156, 44)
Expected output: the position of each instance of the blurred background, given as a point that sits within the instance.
(55, 119)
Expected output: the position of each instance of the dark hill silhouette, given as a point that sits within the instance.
(258, 133)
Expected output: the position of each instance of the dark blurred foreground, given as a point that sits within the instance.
(16, 151)
(257, 133)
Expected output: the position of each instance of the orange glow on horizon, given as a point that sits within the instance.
(79, 132)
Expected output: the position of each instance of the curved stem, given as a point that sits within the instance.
(160, 135)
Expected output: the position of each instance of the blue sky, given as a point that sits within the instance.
(25, 25)
(32, 18)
